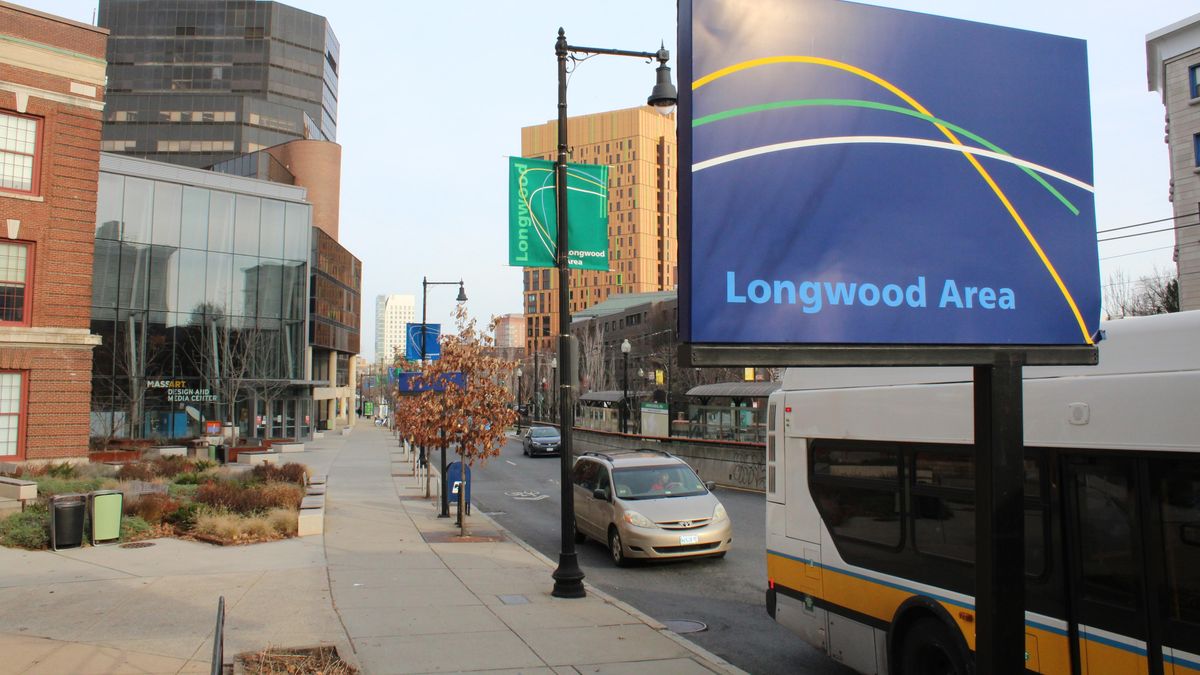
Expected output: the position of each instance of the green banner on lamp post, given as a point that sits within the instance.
(533, 215)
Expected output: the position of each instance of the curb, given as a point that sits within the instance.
(718, 663)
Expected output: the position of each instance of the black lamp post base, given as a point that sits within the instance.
(568, 578)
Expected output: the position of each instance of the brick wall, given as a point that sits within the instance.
(64, 91)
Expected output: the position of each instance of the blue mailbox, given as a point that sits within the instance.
(453, 475)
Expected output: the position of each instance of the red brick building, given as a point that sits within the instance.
(51, 100)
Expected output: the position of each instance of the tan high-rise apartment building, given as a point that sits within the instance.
(1173, 69)
(638, 145)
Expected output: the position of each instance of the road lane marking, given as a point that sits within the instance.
(511, 462)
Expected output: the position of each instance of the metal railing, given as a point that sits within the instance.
(218, 657)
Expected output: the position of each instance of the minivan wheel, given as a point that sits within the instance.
(928, 649)
(614, 547)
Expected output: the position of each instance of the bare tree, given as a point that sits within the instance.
(1155, 293)
(237, 359)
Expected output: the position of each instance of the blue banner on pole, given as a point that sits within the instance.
(406, 382)
(412, 346)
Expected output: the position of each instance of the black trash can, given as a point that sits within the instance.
(220, 450)
(66, 521)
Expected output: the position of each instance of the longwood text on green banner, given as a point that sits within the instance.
(533, 214)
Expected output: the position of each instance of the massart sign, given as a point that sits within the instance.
(874, 176)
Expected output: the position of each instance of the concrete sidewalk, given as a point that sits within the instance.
(389, 584)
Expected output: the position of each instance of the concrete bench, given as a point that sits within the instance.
(316, 479)
(288, 447)
(312, 502)
(172, 451)
(254, 458)
(18, 489)
(310, 522)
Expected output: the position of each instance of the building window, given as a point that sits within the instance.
(10, 414)
(1194, 81)
(14, 283)
(1196, 149)
(18, 153)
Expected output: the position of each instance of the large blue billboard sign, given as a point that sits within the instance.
(869, 176)
(411, 382)
(412, 345)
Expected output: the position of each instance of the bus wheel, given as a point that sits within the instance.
(929, 649)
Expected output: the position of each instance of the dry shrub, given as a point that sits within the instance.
(286, 473)
(169, 467)
(283, 521)
(152, 508)
(281, 661)
(233, 528)
(222, 525)
(138, 471)
(281, 495)
(249, 498)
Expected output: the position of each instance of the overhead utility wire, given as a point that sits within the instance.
(1148, 222)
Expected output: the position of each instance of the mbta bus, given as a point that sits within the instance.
(871, 521)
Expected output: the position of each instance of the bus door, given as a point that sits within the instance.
(1134, 571)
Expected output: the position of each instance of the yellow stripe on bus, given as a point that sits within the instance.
(1049, 651)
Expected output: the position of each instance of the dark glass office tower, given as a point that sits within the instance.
(196, 82)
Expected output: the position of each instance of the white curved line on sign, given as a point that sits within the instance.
(887, 140)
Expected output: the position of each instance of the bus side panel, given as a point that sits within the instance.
(1104, 655)
(1184, 663)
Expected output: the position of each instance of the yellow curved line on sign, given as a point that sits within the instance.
(1012, 211)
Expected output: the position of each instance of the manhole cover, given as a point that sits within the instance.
(684, 626)
(138, 544)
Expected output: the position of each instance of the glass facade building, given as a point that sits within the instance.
(200, 293)
(197, 82)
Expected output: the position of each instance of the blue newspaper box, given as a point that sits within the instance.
(454, 475)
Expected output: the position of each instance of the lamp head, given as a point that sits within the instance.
(462, 293)
(664, 95)
(626, 347)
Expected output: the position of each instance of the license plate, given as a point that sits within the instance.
(689, 539)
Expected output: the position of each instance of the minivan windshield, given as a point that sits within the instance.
(543, 432)
(657, 482)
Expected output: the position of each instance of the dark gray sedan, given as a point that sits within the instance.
(541, 441)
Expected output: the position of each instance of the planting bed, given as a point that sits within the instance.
(171, 496)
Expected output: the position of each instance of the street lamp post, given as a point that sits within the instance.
(625, 349)
(462, 297)
(568, 577)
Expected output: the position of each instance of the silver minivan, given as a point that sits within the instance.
(647, 504)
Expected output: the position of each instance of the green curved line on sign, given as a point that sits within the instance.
(855, 103)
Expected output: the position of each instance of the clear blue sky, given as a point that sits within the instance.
(433, 95)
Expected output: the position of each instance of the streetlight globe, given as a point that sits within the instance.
(554, 362)
(520, 372)
(626, 347)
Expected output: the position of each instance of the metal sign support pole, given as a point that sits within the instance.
(999, 517)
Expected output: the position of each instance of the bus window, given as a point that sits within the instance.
(1107, 521)
(857, 491)
(943, 507)
(1179, 487)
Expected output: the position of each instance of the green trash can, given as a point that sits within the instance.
(66, 521)
(105, 508)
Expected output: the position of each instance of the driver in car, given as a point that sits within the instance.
(660, 485)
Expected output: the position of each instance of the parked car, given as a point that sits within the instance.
(541, 441)
(647, 504)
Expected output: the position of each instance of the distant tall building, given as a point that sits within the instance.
(510, 331)
(196, 82)
(392, 313)
(638, 144)
(1173, 69)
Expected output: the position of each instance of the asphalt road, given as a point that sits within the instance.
(522, 494)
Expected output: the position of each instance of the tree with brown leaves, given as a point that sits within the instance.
(472, 417)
